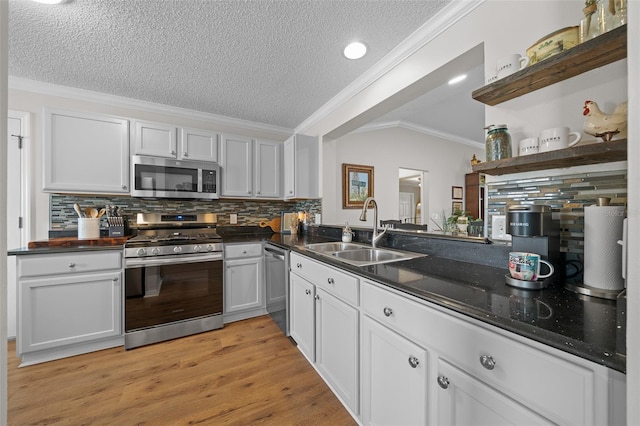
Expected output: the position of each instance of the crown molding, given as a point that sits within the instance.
(435, 26)
(16, 83)
(420, 129)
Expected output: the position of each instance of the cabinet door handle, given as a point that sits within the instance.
(299, 265)
(172, 152)
(115, 280)
(387, 311)
(185, 154)
(124, 186)
(307, 291)
(316, 297)
(443, 382)
(330, 281)
(487, 362)
(72, 265)
(413, 361)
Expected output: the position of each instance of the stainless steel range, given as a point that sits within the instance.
(173, 278)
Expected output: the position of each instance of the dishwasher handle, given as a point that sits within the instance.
(275, 253)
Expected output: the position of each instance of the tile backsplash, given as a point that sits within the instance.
(566, 195)
(250, 212)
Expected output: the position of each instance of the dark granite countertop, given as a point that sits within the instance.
(580, 325)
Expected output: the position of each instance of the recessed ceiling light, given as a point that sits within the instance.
(355, 50)
(457, 79)
(50, 1)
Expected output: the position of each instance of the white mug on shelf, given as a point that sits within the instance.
(528, 146)
(557, 138)
(509, 64)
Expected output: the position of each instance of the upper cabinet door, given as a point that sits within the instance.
(267, 178)
(302, 167)
(155, 139)
(236, 159)
(85, 153)
(197, 144)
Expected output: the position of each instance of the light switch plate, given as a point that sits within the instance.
(499, 228)
(233, 218)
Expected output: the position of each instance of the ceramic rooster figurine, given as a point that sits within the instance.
(605, 126)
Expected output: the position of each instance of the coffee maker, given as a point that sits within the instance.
(533, 230)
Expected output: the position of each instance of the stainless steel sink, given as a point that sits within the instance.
(360, 255)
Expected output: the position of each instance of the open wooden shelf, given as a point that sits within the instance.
(602, 50)
(579, 155)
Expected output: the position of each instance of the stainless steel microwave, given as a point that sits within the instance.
(155, 177)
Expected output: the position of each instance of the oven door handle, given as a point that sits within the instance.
(171, 260)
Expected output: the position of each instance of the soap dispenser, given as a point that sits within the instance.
(347, 234)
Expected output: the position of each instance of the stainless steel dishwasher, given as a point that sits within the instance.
(277, 274)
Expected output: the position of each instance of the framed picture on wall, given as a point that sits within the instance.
(456, 192)
(456, 206)
(357, 185)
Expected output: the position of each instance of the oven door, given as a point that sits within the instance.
(160, 291)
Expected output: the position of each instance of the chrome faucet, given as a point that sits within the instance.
(363, 216)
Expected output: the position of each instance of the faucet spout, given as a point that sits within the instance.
(375, 236)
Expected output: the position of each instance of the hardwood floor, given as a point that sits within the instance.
(246, 373)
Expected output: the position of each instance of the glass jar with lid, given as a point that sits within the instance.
(498, 142)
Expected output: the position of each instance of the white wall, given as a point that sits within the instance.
(33, 99)
(388, 150)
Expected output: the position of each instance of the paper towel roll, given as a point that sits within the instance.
(602, 254)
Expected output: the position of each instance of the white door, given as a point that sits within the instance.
(406, 207)
(17, 139)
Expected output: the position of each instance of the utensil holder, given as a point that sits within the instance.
(88, 228)
(116, 226)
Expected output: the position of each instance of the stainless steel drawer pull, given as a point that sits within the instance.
(72, 265)
(487, 362)
(330, 281)
(443, 382)
(387, 311)
(413, 361)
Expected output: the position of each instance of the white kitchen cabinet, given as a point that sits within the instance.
(302, 314)
(301, 167)
(236, 154)
(68, 304)
(329, 329)
(464, 400)
(394, 377)
(85, 153)
(267, 164)
(198, 145)
(155, 139)
(244, 286)
(250, 168)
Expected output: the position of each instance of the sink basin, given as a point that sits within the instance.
(334, 247)
(359, 254)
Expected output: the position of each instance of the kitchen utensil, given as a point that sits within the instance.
(76, 207)
(91, 212)
(273, 224)
(101, 212)
(526, 266)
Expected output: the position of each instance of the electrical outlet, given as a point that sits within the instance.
(233, 218)
(499, 228)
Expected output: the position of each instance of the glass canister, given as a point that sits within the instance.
(498, 142)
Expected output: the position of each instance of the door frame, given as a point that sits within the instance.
(25, 180)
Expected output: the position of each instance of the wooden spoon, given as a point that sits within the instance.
(76, 207)
(102, 212)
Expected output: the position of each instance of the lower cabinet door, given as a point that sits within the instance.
(66, 310)
(394, 378)
(243, 285)
(464, 400)
(302, 315)
(337, 346)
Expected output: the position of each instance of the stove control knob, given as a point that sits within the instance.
(141, 252)
(155, 251)
(209, 247)
(177, 249)
(197, 248)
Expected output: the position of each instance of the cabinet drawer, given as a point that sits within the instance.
(543, 380)
(338, 283)
(239, 251)
(65, 263)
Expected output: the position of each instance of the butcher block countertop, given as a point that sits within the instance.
(65, 244)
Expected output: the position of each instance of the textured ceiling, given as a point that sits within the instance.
(268, 61)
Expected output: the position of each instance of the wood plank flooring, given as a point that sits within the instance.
(246, 373)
